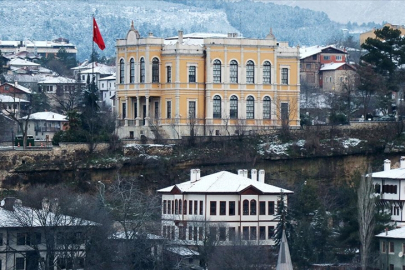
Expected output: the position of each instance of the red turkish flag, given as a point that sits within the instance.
(97, 38)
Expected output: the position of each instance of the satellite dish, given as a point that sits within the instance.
(400, 254)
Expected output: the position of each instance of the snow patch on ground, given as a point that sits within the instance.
(351, 142)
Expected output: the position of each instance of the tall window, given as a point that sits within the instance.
(284, 75)
(191, 74)
(222, 208)
(250, 72)
(266, 107)
(142, 70)
(168, 109)
(253, 207)
(233, 112)
(231, 208)
(155, 70)
(217, 71)
(217, 107)
(122, 70)
(245, 207)
(234, 71)
(213, 208)
(250, 108)
(266, 72)
(191, 109)
(132, 71)
(169, 74)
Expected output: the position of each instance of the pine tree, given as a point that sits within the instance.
(284, 221)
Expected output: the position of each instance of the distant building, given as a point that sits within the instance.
(370, 34)
(43, 125)
(10, 104)
(42, 48)
(392, 249)
(15, 90)
(325, 68)
(205, 84)
(388, 185)
(25, 242)
(232, 206)
(107, 90)
(61, 90)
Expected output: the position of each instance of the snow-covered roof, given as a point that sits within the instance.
(102, 69)
(182, 251)
(9, 99)
(223, 182)
(309, 51)
(47, 116)
(59, 79)
(35, 218)
(22, 62)
(20, 87)
(396, 233)
(393, 174)
(120, 235)
(108, 78)
(331, 66)
(194, 38)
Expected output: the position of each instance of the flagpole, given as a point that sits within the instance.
(92, 51)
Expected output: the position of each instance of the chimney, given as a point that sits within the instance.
(193, 175)
(230, 35)
(240, 172)
(150, 34)
(387, 165)
(180, 37)
(198, 174)
(253, 174)
(8, 203)
(245, 173)
(402, 162)
(45, 204)
(261, 176)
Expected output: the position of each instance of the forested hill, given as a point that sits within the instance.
(48, 19)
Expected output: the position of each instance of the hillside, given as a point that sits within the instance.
(47, 20)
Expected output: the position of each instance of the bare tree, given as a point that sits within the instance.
(55, 237)
(138, 217)
(366, 216)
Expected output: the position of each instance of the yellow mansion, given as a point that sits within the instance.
(204, 84)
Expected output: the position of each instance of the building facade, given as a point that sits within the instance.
(371, 34)
(388, 184)
(209, 84)
(313, 59)
(392, 249)
(226, 206)
(27, 241)
(43, 125)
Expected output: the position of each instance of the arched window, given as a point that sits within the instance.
(217, 71)
(185, 207)
(266, 107)
(245, 207)
(250, 107)
(253, 206)
(132, 71)
(180, 206)
(122, 71)
(266, 72)
(176, 207)
(233, 111)
(216, 107)
(142, 70)
(250, 72)
(234, 71)
(155, 70)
